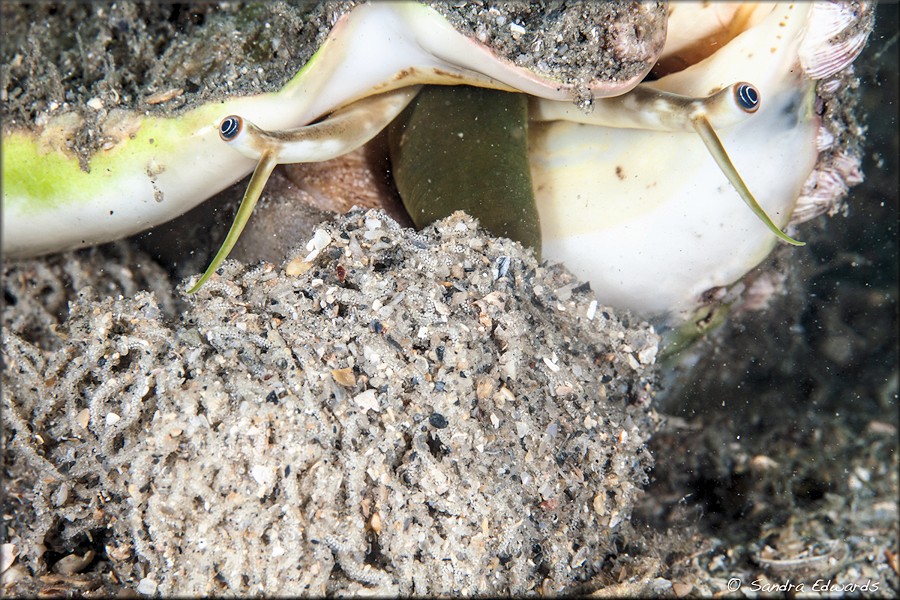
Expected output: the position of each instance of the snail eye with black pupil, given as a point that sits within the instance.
(747, 97)
(230, 127)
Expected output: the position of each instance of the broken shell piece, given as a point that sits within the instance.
(835, 35)
(118, 552)
(345, 377)
(297, 267)
(72, 564)
(83, 418)
(164, 96)
(8, 554)
(147, 586)
(375, 522)
(367, 400)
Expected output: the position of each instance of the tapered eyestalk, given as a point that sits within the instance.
(344, 131)
(646, 107)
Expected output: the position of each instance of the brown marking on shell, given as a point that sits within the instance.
(359, 178)
(405, 74)
(59, 133)
(448, 74)
(413, 75)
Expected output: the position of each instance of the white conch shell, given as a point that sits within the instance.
(648, 217)
(160, 167)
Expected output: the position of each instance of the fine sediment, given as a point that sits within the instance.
(386, 412)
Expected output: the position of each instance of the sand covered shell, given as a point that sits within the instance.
(531, 49)
(663, 215)
(658, 218)
(73, 159)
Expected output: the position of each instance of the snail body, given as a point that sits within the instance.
(635, 183)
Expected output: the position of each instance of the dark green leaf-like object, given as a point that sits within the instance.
(466, 148)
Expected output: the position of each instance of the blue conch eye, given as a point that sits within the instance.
(230, 127)
(747, 97)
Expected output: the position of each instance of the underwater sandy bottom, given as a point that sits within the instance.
(386, 412)
(442, 416)
(244, 439)
(774, 462)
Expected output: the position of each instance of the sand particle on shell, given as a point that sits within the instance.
(416, 413)
(94, 60)
(570, 41)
